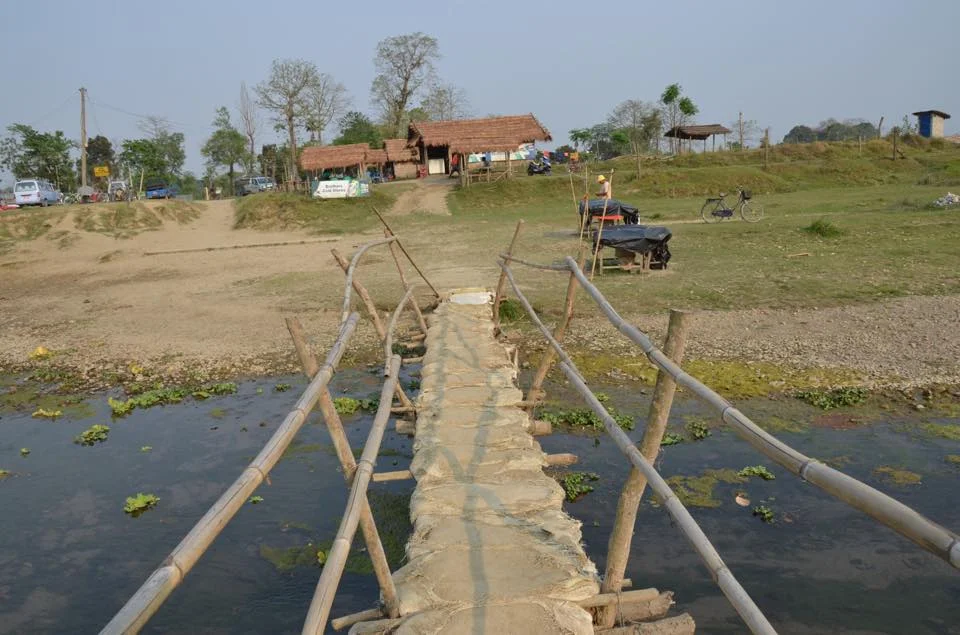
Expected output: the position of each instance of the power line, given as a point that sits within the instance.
(138, 115)
(52, 112)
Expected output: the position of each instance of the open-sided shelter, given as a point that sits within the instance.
(699, 132)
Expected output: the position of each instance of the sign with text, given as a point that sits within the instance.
(101, 170)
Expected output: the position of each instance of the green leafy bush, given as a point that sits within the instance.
(94, 434)
(835, 398)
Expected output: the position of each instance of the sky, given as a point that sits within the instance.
(780, 63)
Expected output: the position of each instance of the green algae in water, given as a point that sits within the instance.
(136, 505)
(698, 429)
(346, 405)
(4, 474)
(834, 398)
(298, 449)
(757, 470)
(576, 484)
(585, 418)
(255, 500)
(897, 476)
(288, 559)
(218, 413)
(777, 424)
(954, 459)
(764, 512)
(697, 491)
(671, 439)
(94, 434)
(949, 431)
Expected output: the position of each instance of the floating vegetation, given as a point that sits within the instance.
(757, 470)
(298, 449)
(954, 459)
(585, 418)
(835, 398)
(224, 388)
(24, 451)
(764, 512)
(282, 387)
(146, 448)
(576, 484)
(94, 434)
(370, 405)
(140, 503)
(218, 413)
(308, 555)
(42, 413)
(346, 405)
(697, 491)
(413, 384)
(949, 431)
(4, 474)
(671, 439)
(897, 476)
(161, 396)
(698, 429)
(777, 424)
(254, 500)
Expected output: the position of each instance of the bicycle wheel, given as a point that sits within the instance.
(709, 212)
(751, 212)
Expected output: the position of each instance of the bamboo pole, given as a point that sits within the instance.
(151, 595)
(618, 549)
(351, 283)
(536, 392)
(319, 610)
(728, 584)
(368, 526)
(388, 349)
(561, 460)
(354, 618)
(403, 249)
(624, 597)
(499, 294)
(398, 475)
(892, 513)
(406, 285)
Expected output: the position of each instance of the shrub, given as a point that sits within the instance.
(824, 229)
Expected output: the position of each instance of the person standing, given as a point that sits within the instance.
(604, 192)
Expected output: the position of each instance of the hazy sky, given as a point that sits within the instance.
(569, 63)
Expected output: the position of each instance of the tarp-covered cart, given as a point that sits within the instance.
(647, 241)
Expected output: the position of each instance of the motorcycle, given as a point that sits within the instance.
(539, 167)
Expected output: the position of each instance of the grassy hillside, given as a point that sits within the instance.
(295, 211)
(790, 168)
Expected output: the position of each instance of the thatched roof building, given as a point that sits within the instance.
(698, 132)
(491, 134)
(319, 158)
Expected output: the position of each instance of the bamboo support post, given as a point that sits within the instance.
(319, 610)
(404, 427)
(618, 549)
(151, 595)
(499, 294)
(406, 285)
(540, 428)
(731, 588)
(563, 459)
(412, 360)
(403, 249)
(341, 444)
(361, 291)
(679, 625)
(908, 523)
(536, 393)
(399, 475)
(375, 627)
(349, 620)
(611, 599)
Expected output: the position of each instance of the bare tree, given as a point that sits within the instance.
(747, 131)
(444, 102)
(327, 100)
(284, 94)
(403, 64)
(154, 126)
(249, 121)
(639, 123)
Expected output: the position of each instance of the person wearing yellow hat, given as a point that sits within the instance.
(604, 187)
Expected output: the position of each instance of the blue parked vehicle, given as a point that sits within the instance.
(158, 188)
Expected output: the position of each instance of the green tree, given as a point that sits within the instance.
(356, 127)
(99, 152)
(403, 64)
(142, 157)
(285, 94)
(29, 153)
(636, 124)
(227, 146)
(677, 110)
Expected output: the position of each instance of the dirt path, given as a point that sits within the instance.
(429, 196)
(98, 299)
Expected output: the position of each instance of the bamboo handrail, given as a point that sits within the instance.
(388, 338)
(403, 249)
(534, 265)
(889, 511)
(319, 611)
(348, 288)
(500, 282)
(151, 595)
(724, 578)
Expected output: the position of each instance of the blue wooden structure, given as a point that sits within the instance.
(930, 122)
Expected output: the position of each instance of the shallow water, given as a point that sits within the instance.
(70, 557)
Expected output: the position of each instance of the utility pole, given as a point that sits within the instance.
(83, 137)
(740, 125)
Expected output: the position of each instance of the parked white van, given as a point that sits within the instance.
(36, 192)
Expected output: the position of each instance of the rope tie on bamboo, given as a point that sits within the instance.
(802, 472)
(954, 551)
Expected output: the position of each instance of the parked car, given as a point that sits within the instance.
(118, 191)
(36, 192)
(158, 188)
(252, 185)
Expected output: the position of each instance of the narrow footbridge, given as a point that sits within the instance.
(492, 550)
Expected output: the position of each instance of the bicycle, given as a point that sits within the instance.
(716, 209)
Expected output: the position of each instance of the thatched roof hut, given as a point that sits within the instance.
(491, 134)
(399, 152)
(319, 158)
(698, 132)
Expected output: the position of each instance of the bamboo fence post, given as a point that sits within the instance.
(319, 610)
(596, 249)
(502, 280)
(403, 249)
(536, 389)
(364, 296)
(161, 583)
(618, 549)
(341, 444)
(907, 522)
(406, 284)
